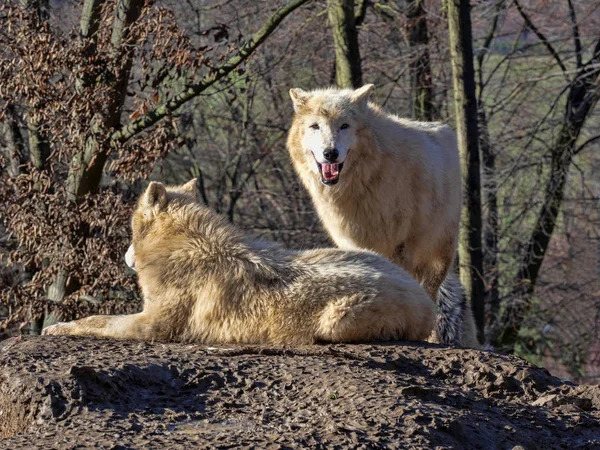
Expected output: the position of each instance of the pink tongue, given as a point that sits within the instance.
(330, 171)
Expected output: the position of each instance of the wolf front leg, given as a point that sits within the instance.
(134, 326)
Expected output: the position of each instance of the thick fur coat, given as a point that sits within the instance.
(386, 184)
(204, 281)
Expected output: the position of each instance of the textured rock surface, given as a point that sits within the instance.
(61, 392)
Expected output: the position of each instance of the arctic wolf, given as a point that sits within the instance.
(385, 184)
(204, 281)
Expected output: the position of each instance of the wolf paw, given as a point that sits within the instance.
(57, 329)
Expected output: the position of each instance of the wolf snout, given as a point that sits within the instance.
(331, 154)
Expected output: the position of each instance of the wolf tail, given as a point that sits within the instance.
(454, 323)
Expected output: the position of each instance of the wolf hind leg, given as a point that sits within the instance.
(360, 318)
(133, 326)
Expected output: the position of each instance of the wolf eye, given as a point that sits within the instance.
(344, 126)
(315, 126)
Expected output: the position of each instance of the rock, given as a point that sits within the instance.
(66, 392)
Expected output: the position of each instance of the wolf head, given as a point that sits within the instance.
(153, 201)
(328, 122)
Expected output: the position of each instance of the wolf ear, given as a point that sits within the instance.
(155, 196)
(299, 97)
(190, 187)
(361, 95)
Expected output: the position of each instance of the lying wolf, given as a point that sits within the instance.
(385, 184)
(203, 281)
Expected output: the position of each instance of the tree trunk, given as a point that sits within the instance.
(420, 67)
(88, 29)
(463, 75)
(78, 180)
(86, 167)
(14, 143)
(342, 21)
(361, 12)
(492, 229)
(39, 148)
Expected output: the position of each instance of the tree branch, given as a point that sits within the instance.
(541, 37)
(127, 132)
(585, 144)
(595, 54)
(488, 41)
(576, 38)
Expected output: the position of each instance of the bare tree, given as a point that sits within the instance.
(470, 248)
(490, 190)
(582, 94)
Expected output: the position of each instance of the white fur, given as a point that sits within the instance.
(330, 134)
(204, 281)
(400, 183)
(130, 257)
(399, 193)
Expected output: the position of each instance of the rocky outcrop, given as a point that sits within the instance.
(64, 392)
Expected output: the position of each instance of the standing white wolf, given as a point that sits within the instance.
(386, 184)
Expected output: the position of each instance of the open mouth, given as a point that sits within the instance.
(330, 173)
